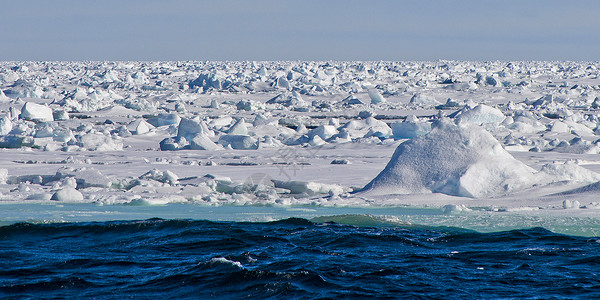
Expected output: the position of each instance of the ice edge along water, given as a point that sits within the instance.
(302, 133)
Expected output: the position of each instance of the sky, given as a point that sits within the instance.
(300, 30)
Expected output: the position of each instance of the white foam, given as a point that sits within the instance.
(223, 260)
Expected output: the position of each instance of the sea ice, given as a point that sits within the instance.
(376, 97)
(460, 160)
(239, 142)
(36, 112)
(411, 127)
(480, 114)
(67, 194)
(282, 113)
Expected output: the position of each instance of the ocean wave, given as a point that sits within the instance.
(291, 258)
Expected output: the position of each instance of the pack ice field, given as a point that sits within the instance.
(491, 137)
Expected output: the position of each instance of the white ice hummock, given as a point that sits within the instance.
(460, 160)
(36, 112)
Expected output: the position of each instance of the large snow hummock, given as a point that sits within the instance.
(461, 160)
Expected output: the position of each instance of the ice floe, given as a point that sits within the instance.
(468, 130)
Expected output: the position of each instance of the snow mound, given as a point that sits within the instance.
(569, 172)
(67, 194)
(459, 160)
(590, 188)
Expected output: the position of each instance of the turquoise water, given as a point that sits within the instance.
(482, 221)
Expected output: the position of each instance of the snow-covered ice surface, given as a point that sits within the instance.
(475, 144)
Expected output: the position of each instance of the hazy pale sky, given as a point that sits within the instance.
(299, 30)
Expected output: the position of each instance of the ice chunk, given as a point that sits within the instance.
(316, 141)
(164, 177)
(571, 204)
(190, 128)
(173, 144)
(3, 176)
(239, 127)
(85, 177)
(69, 182)
(36, 112)
(261, 119)
(67, 194)
(248, 105)
(5, 125)
(323, 131)
(3, 97)
(60, 115)
(564, 147)
(489, 80)
(164, 119)
(96, 141)
(44, 130)
(309, 187)
(221, 122)
(203, 142)
(62, 135)
(460, 160)
(559, 127)
(15, 141)
(214, 80)
(139, 126)
(480, 114)
(454, 208)
(281, 82)
(376, 97)
(180, 107)
(239, 142)
(425, 100)
(340, 161)
(377, 128)
(288, 99)
(110, 76)
(269, 142)
(410, 128)
(350, 101)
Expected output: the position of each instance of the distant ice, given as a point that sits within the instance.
(516, 137)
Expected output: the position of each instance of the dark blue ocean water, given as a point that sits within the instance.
(293, 258)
